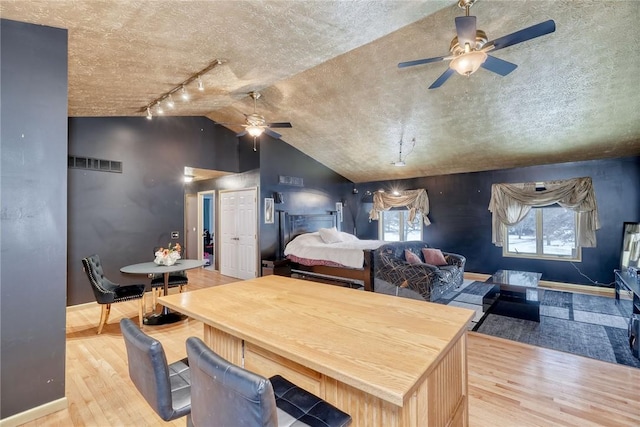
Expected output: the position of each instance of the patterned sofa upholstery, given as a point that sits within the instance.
(429, 281)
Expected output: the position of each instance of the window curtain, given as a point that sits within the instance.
(510, 203)
(414, 200)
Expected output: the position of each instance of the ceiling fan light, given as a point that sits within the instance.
(399, 163)
(468, 63)
(254, 131)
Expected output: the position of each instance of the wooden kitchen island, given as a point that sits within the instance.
(387, 361)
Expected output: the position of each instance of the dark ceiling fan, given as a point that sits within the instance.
(470, 46)
(255, 124)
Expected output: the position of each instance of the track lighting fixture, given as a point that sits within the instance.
(180, 88)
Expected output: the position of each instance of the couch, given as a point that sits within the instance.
(395, 275)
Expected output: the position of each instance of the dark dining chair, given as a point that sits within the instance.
(166, 387)
(107, 292)
(226, 395)
(176, 279)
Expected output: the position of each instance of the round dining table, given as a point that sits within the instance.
(165, 316)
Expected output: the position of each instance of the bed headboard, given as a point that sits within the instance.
(292, 225)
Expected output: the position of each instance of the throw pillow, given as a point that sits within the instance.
(411, 257)
(433, 256)
(330, 235)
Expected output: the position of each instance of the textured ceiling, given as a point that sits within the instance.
(330, 68)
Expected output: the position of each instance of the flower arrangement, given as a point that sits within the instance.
(168, 255)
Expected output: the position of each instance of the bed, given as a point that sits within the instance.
(347, 261)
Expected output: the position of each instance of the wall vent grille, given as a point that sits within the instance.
(102, 165)
(291, 180)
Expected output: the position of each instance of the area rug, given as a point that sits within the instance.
(587, 325)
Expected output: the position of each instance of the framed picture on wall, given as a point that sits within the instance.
(268, 210)
(339, 211)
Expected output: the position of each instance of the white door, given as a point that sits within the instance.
(238, 236)
(247, 236)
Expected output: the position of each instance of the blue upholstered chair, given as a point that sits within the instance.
(107, 292)
(166, 387)
(226, 395)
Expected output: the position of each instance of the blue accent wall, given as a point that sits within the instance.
(461, 222)
(122, 216)
(322, 188)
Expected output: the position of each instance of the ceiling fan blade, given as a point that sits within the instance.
(523, 35)
(443, 78)
(243, 133)
(272, 134)
(499, 66)
(421, 61)
(466, 29)
(279, 125)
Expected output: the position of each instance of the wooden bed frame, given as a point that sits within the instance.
(294, 225)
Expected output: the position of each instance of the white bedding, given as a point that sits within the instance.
(348, 252)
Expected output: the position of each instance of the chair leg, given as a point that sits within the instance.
(141, 311)
(183, 288)
(154, 294)
(104, 316)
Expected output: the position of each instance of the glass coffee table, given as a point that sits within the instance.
(514, 294)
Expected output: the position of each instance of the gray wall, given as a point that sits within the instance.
(33, 255)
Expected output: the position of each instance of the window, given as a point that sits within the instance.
(545, 233)
(395, 226)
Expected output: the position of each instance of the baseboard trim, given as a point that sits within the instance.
(71, 308)
(568, 287)
(34, 413)
(581, 289)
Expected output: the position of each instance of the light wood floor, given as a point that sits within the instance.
(510, 384)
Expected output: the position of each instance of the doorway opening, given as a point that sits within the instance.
(207, 228)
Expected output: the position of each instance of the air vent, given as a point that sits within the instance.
(89, 163)
(290, 180)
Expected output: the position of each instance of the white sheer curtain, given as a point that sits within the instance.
(414, 200)
(510, 203)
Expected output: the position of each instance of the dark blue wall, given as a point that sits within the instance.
(322, 188)
(121, 217)
(461, 222)
(34, 215)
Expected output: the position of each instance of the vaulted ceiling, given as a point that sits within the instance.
(330, 68)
